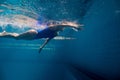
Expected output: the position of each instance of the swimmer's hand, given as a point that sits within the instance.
(40, 49)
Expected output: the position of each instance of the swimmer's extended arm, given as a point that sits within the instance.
(66, 24)
(46, 41)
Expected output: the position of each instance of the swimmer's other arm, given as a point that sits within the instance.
(46, 41)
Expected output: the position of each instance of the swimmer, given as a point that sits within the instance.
(49, 33)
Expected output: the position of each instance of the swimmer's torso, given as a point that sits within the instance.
(45, 33)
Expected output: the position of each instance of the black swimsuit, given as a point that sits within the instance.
(46, 33)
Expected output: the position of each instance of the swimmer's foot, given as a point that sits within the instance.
(3, 33)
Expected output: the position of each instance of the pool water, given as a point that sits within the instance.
(94, 54)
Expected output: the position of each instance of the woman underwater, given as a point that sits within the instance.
(49, 32)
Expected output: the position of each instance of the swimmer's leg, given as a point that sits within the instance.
(29, 35)
(8, 35)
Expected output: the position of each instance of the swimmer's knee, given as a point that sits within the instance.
(17, 37)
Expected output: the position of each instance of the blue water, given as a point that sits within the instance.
(93, 55)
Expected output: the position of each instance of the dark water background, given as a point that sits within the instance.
(94, 55)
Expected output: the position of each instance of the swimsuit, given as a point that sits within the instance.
(45, 33)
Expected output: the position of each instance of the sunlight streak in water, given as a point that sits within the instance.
(30, 48)
(25, 46)
(63, 38)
